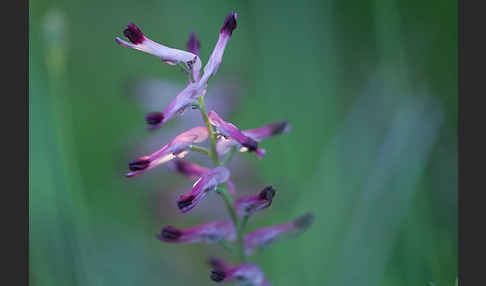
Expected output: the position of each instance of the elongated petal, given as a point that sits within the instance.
(264, 237)
(168, 55)
(189, 169)
(177, 148)
(217, 55)
(272, 129)
(228, 130)
(193, 45)
(194, 171)
(183, 100)
(206, 183)
(210, 233)
(246, 206)
(243, 274)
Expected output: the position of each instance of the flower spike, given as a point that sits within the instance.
(205, 184)
(210, 233)
(168, 55)
(177, 148)
(275, 128)
(246, 206)
(243, 273)
(228, 130)
(264, 237)
(217, 55)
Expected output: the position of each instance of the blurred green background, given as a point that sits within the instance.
(370, 88)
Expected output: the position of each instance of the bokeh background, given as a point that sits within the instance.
(370, 88)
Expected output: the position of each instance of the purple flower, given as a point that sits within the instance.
(205, 184)
(193, 44)
(228, 130)
(242, 274)
(184, 99)
(264, 237)
(177, 148)
(194, 89)
(246, 206)
(168, 55)
(210, 232)
(194, 171)
(275, 128)
(217, 55)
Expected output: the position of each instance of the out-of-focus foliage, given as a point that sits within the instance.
(370, 88)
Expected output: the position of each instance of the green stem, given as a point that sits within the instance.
(200, 149)
(212, 135)
(239, 226)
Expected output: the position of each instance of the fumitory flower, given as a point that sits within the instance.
(228, 130)
(205, 184)
(188, 96)
(275, 128)
(264, 237)
(247, 205)
(168, 55)
(243, 274)
(211, 232)
(175, 148)
(193, 171)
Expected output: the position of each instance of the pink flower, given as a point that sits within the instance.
(210, 233)
(229, 131)
(168, 55)
(275, 128)
(194, 171)
(217, 56)
(246, 206)
(177, 148)
(242, 274)
(205, 184)
(264, 237)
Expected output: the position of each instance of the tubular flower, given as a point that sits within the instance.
(177, 148)
(205, 184)
(191, 61)
(275, 128)
(210, 233)
(168, 55)
(228, 131)
(242, 274)
(194, 171)
(264, 237)
(246, 206)
(184, 99)
(216, 57)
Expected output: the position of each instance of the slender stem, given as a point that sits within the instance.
(212, 135)
(239, 226)
(200, 149)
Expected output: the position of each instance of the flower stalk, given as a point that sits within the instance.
(225, 140)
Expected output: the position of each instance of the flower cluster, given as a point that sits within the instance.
(226, 139)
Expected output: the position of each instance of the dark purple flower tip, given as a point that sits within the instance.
(133, 33)
(251, 144)
(279, 127)
(169, 233)
(184, 202)
(216, 263)
(139, 164)
(267, 193)
(304, 221)
(217, 275)
(229, 23)
(154, 118)
(193, 44)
